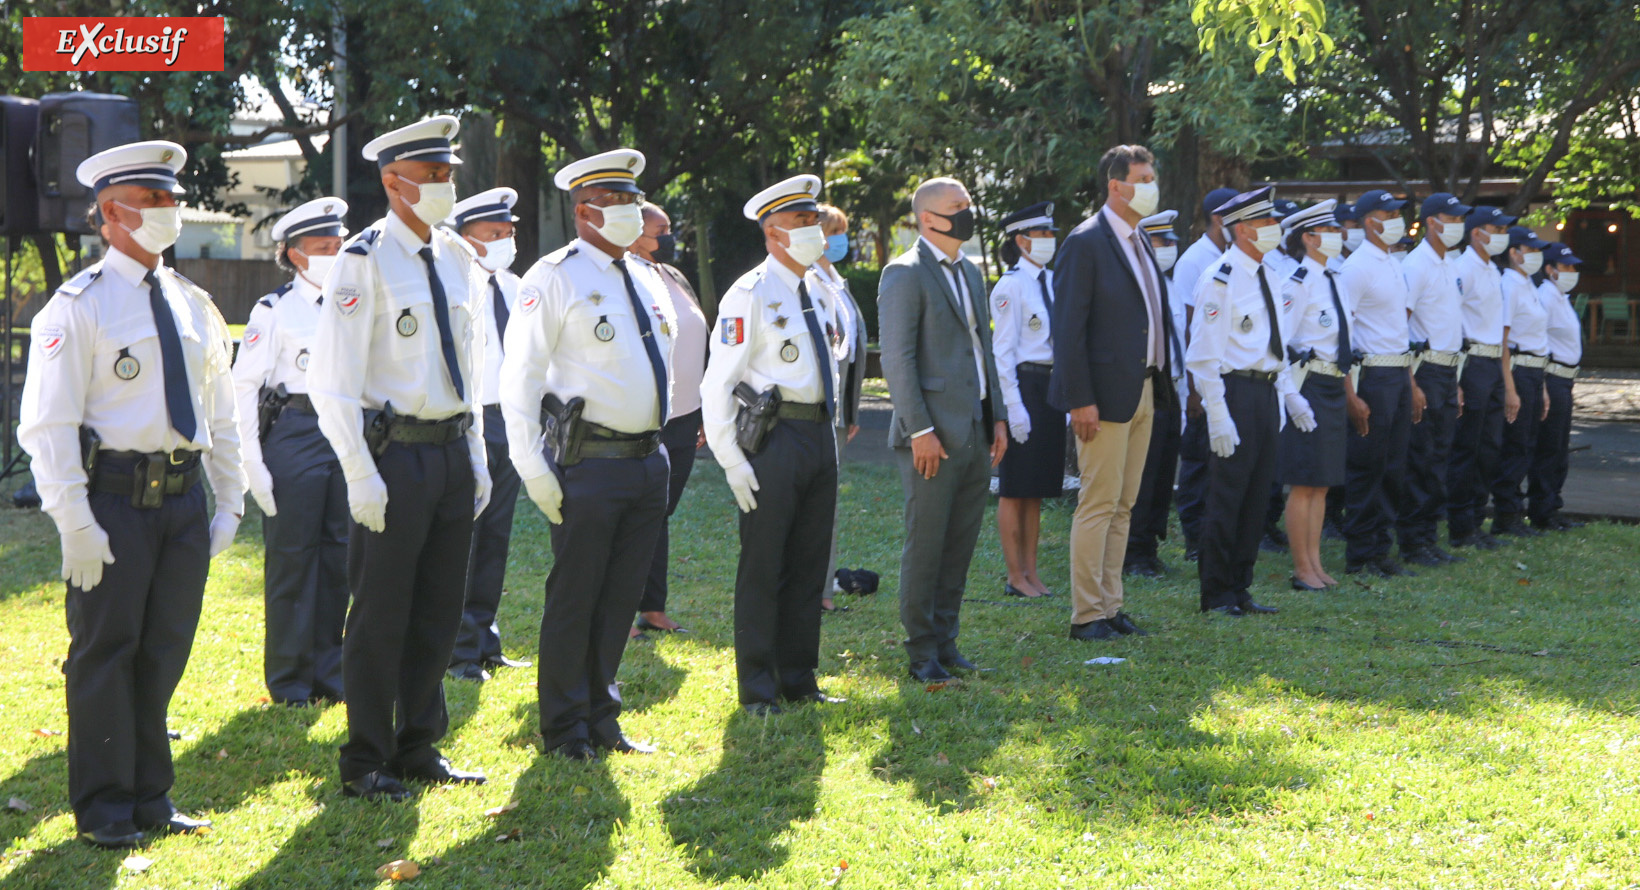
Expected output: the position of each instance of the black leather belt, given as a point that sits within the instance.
(1038, 367)
(415, 431)
(603, 442)
(299, 401)
(1260, 376)
(145, 478)
(801, 411)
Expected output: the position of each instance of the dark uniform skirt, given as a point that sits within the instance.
(1316, 458)
(1035, 468)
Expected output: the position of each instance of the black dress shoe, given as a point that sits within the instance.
(375, 785)
(1126, 626)
(1370, 568)
(1561, 523)
(1422, 557)
(440, 772)
(1097, 629)
(502, 661)
(762, 708)
(955, 662)
(929, 671)
(1300, 585)
(468, 671)
(1393, 569)
(1445, 555)
(1477, 539)
(180, 824)
(575, 749)
(1232, 611)
(624, 745)
(113, 836)
(645, 624)
(816, 697)
(1011, 590)
(1253, 608)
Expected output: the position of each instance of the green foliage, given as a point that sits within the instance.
(1289, 30)
(862, 283)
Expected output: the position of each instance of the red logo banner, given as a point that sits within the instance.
(114, 43)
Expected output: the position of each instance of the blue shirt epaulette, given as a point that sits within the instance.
(1010, 270)
(1223, 275)
(559, 255)
(278, 292)
(73, 286)
(361, 243)
(1299, 273)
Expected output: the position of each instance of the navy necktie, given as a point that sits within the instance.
(1047, 297)
(174, 369)
(822, 354)
(441, 315)
(650, 346)
(501, 313)
(1346, 354)
(1270, 310)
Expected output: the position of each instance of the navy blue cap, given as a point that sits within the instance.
(1406, 241)
(1377, 199)
(1285, 208)
(1256, 204)
(1345, 212)
(1521, 236)
(1486, 215)
(1443, 202)
(1560, 253)
(1036, 216)
(1215, 199)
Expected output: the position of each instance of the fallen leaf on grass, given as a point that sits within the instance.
(941, 759)
(934, 687)
(507, 807)
(47, 733)
(513, 835)
(398, 870)
(581, 791)
(837, 872)
(1027, 661)
(991, 782)
(222, 754)
(384, 843)
(138, 864)
(19, 805)
(1525, 582)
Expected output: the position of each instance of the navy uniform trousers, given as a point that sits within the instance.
(785, 546)
(1375, 464)
(679, 436)
(304, 587)
(1428, 452)
(1238, 494)
(129, 639)
(1519, 443)
(408, 583)
(1551, 459)
(479, 639)
(1148, 524)
(1477, 447)
(614, 509)
(1192, 492)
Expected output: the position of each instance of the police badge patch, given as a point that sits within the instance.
(49, 339)
(347, 299)
(733, 331)
(253, 336)
(1211, 310)
(528, 299)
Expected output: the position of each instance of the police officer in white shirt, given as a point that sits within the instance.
(1527, 332)
(775, 328)
(1550, 459)
(1148, 525)
(1198, 260)
(1489, 397)
(1238, 356)
(1435, 324)
(304, 527)
(128, 396)
(1382, 401)
(395, 376)
(485, 222)
(588, 352)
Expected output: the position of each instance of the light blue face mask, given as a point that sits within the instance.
(836, 247)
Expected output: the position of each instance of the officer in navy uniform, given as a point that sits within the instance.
(128, 396)
(485, 221)
(1238, 357)
(395, 377)
(304, 575)
(589, 349)
(1155, 501)
(776, 326)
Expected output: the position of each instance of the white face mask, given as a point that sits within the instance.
(1496, 243)
(1145, 197)
(1167, 256)
(623, 224)
(1353, 238)
(1332, 244)
(1451, 234)
(1393, 229)
(318, 266)
(1531, 263)
(434, 202)
(1042, 250)
(498, 254)
(1267, 238)
(161, 226)
(1566, 281)
(805, 244)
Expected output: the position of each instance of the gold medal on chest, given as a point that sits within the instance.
(406, 324)
(126, 366)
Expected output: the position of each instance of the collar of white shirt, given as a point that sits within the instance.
(1243, 260)
(938, 253)
(599, 258)
(783, 274)
(1118, 225)
(124, 266)
(302, 286)
(1373, 252)
(401, 231)
(1031, 270)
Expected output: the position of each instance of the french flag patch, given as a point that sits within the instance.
(734, 331)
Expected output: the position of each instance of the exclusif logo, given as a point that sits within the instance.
(114, 43)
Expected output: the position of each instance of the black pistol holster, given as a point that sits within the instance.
(756, 417)
(563, 428)
(90, 444)
(377, 425)
(268, 406)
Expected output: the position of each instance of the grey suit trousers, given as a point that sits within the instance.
(942, 521)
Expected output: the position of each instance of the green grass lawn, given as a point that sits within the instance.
(1472, 727)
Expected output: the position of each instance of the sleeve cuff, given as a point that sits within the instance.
(920, 433)
(74, 516)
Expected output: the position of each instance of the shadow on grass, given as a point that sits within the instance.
(340, 845)
(646, 679)
(729, 822)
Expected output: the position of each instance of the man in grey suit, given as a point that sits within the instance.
(942, 378)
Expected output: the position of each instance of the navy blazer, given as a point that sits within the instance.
(1100, 327)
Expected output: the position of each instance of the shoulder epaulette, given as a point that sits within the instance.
(1223, 275)
(559, 255)
(1300, 273)
(74, 286)
(271, 298)
(1010, 270)
(362, 243)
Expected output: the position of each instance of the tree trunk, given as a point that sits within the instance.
(519, 167)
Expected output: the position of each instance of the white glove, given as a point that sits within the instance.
(1299, 412)
(367, 501)
(261, 484)
(1221, 430)
(85, 552)
(1019, 422)
(482, 488)
(742, 481)
(547, 494)
(223, 527)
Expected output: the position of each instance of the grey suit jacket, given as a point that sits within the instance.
(928, 357)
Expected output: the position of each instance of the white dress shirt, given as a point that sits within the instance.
(1528, 322)
(575, 335)
(758, 319)
(1230, 330)
(377, 341)
(95, 320)
(1138, 261)
(276, 349)
(1436, 301)
(1280, 266)
(1023, 325)
(1198, 260)
(688, 363)
(490, 386)
(1314, 319)
(1483, 313)
(1565, 329)
(1375, 296)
